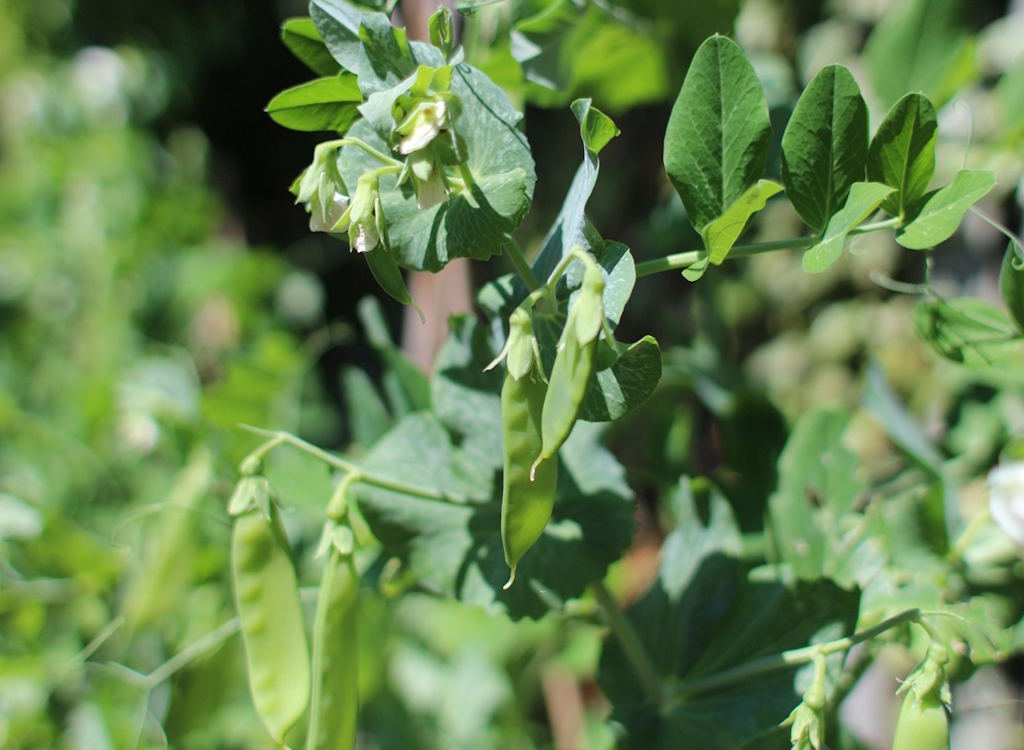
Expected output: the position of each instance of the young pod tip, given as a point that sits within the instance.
(511, 579)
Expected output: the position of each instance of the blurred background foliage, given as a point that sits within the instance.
(157, 287)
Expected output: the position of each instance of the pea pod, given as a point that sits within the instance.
(335, 704)
(388, 274)
(526, 497)
(574, 364)
(923, 723)
(267, 597)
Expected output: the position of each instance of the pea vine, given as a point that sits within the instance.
(430, 163)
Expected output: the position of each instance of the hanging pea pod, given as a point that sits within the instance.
(574, 364)
(923, 723)
(335, 696)
(267, 598)
(527, 497)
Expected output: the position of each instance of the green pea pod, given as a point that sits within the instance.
(567, 387)
(387, 273)
(267, 597)
(923, 723)
(526, 500)
(335, 704)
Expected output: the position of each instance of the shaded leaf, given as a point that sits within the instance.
(941, 211)
(718, 133)
(301, 37)
(968, 331)
(621, 382)
(902, 153)
(367, 416)
(863, 200)
(825, 145)
(920, 45)
(1011, 284)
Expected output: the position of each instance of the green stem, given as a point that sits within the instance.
(522, 266)
(685, 259)
(359, 143)
(632, 646)
(791, 658)
(182, 659)
(384, 483)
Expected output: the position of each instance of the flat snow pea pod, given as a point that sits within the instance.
(267, 597)
(570, 374)
(335, 704)
(526, 500)
(923, 723)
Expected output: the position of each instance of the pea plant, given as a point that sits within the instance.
(489, 482)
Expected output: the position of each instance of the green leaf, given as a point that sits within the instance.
(476, 221)
(323, 104)
(301, 37)
(902, 153)
(596, 128)
(621, 382)
(863, 200)
(920, 45)
(722, 232)
(818, 485)
(366, 44)
(1011, 283)
(880, 401)
(454, 548)
(941, 211)
(566, 49)
(969, 331)
(406, 387)
(366, 415)
(718, 133)
(704, 616)
(825, 145)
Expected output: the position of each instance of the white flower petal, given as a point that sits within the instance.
(1006, 499)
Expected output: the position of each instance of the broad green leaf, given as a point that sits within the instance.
(1011, 284)
(863, 200)
(825, 145)
(366, 415)
(721, 233)
(718, 133)
(811, 508)
(454, 547)
(323, 104)
(621, 382)
(619, 271)
(880, 401)
(969, 331)
(704, 616)
(476, 221)
(902, 153)
(406, 387)
(301, 37)
(566, 50)
(921, 45)
(366, 44)
(941, 211)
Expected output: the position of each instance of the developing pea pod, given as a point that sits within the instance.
(526, 496)
(574, 364)
(267, 598)
(923, 723)
(335, 703)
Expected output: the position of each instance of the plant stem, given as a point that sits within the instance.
(280, 438)
(685, 259)
(522, 266)
(630, 641)
(181, 659)
(791, 658)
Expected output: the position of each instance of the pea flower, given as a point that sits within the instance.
(422, 125)
(364, 215)
(1006, 499)
(428, 179)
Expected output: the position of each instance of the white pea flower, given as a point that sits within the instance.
(422, 125)
(324, 217)
(1006, 499)
(364, 215)
(429, 180)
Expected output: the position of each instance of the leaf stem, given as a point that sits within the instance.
(687, 258)
(277, 438)
(791, 658)
(522, 266)
(181, 659)
(632, 646)
(359, 143)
